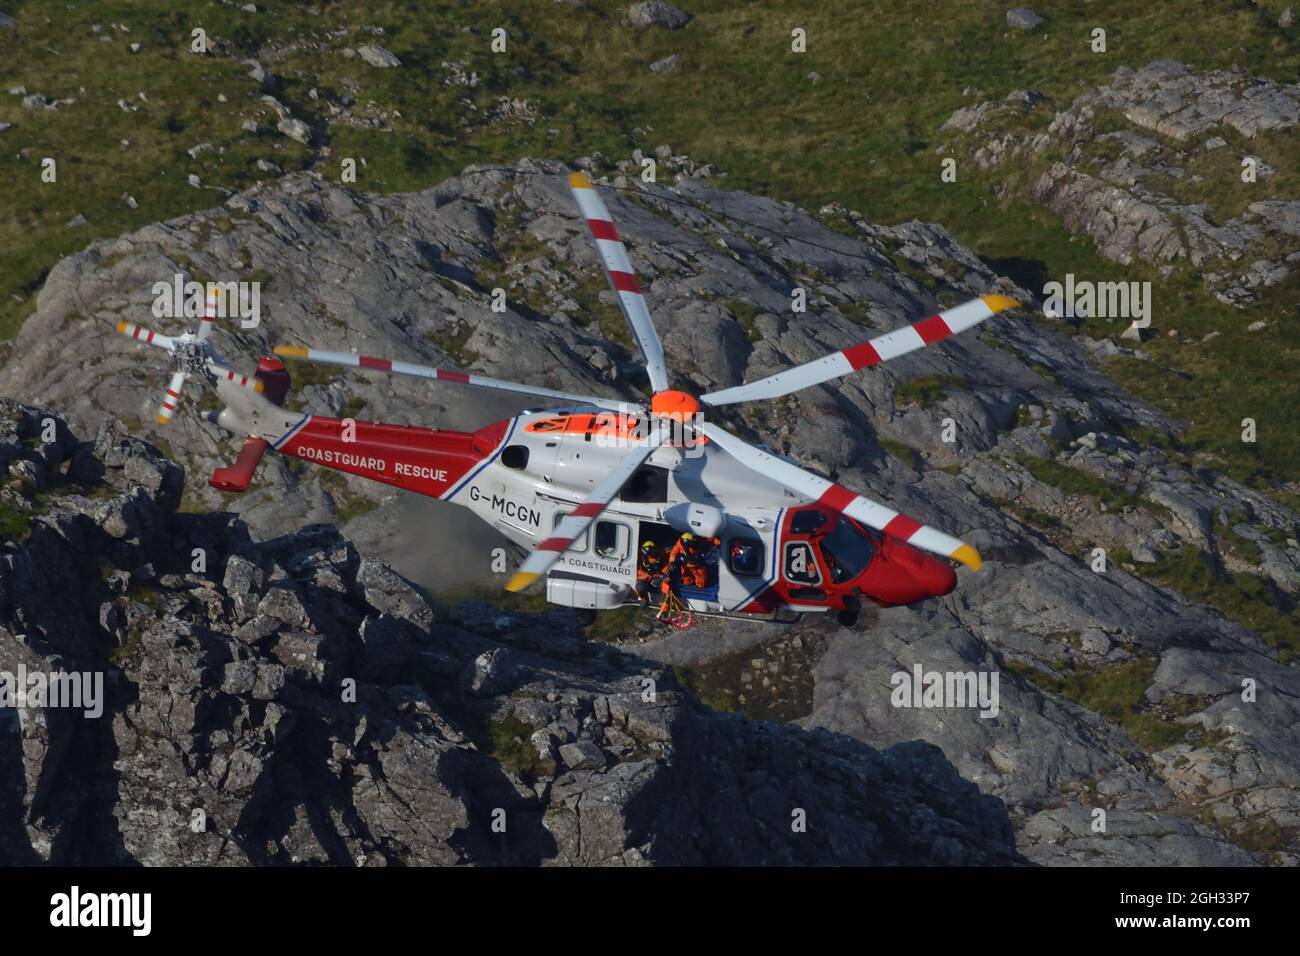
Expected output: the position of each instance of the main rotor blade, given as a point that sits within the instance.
(352, 360)
(882, 348)
(838, 498)
(172, 398)
(613, 256)
(147, 336)
(577, 521)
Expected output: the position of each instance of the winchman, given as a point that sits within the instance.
(651, 571)
(690, 555)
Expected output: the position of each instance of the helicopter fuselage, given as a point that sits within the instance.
(777, 553)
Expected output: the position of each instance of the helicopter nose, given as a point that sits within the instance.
(936, 576)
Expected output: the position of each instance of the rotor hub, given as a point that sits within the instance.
(679, 406)
(191, 357)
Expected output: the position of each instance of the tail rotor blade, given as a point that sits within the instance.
(145, 335)
(230, 375)
(171, 399)
(613, 256)
(209, 312)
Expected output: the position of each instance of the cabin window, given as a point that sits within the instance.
(648, 485)
(580, 542)
(515, 456)
(746, 557)
(800, 564)
(612, 540)
(806, 522)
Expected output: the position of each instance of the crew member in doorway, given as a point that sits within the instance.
(651, 570)
(691, 555)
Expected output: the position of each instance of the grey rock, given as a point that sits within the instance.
(295, 129)
(666, 64)
(656, 13)
(377, 56)
(355, 267)
(582, 755)
(1022, 18)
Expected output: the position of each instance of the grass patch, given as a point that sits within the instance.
(532, 601)
(1076, 481)
(1244, 598)
(713, 694)
(1114, 692)
(347, 504)
(925, 391)
(507, 741)
(744, 313)
(452, 342)
(616, 623)
(904, 453)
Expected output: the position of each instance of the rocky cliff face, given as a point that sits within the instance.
(313, 706)
(1138, 166)
(1118, 694)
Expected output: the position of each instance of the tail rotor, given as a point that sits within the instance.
(192, 354)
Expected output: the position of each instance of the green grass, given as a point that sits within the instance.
(1115, 692)
(744, 313)
(617, 623)
(507, 741)
(925, 391)
(347, 504)
(1244, 598)
(14, 523)
(903, 452)
(452, 342)
(1076, 481)
(717, 695)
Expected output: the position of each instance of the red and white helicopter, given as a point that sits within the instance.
(582, 484)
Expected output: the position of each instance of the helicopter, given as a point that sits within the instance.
(582, 483)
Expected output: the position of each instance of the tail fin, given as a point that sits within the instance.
(273, 379)
(237, 477)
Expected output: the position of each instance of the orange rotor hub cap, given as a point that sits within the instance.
(676, 405)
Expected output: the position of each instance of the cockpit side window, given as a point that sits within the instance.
(847, 551)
